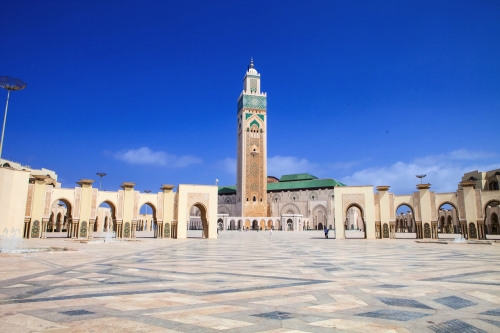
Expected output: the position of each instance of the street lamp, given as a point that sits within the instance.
(420, 176)
(147, 191)
(100, 174)
(8, 83)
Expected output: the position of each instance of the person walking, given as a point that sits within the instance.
(326, 232)
(271, 231)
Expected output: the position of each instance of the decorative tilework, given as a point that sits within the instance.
(247, 115)
(254, 102)
(454, 302)
(83, 229)
(166, 230)
(391, 286)
(126, 230)
(76, 312)
(394, 315)
(35, 230)
(261, 116)
(278, 315)
(455, 325)
(409, 303)
(427, 230)
(495, 312)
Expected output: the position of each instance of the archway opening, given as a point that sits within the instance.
(289, 224)
(448, 219)
(491, 219)
(147, 225)
(60, 219)
(220, 224)
(106, 218)
(354, 225)
(255, 225)
(232, 225)
(198, 223)
(405, 219)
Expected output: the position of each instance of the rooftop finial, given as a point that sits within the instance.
(251, 62)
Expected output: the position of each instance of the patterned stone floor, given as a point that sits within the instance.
(252, 282)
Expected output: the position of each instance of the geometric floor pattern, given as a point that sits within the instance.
(252, 282)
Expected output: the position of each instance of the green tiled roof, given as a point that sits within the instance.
(303, 184)
(296, 177)
(227, 189)
(291, 185)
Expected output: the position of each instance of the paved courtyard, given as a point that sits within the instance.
(252, 282)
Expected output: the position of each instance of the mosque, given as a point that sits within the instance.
(302, 202)
(34, 202)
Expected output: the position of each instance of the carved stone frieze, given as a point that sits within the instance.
(479, 205)
(416, 206)
(29, 200)
(159, 207)
(119, 209)
(461, 204)
(136, 205)
(78, 201)
(349, 199)
(434, 215)
(48, 197)
(392, 212)
(93, 208)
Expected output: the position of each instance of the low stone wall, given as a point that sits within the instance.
(194, 233)
(493, 237)
(406, 235)
(354, 234)
(448, 236)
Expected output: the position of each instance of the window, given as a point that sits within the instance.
(254, 198)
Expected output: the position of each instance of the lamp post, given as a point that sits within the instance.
(8, 83)
(100, 174)
(420, 176)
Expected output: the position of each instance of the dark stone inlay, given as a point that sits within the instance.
(278, 315)
(154, 291)
(332, 269)
(455, 325)
(409, 303)
(391, 286)
(492, 322)
(393, 315)
(76, 312)
(492, 313)
(454, 302)
(442, 278)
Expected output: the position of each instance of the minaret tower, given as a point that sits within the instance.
(251, 192)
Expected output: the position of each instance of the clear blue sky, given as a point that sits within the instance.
(367, 92)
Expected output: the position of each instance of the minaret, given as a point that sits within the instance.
(251, 192)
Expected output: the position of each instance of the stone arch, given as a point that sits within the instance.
(405, 225)
(489, 219)
(276, 198)
(66, 220)
(203, 216)
(289, 207)
(232, 225)
(270, 224)
(294, 196)
(247, 224)
(354, 225)
(112, 206)
(444, 221)
(262, 225)
(319, 216)
(220, 224)
(313, 196)
(223, 210)
(255, 225)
